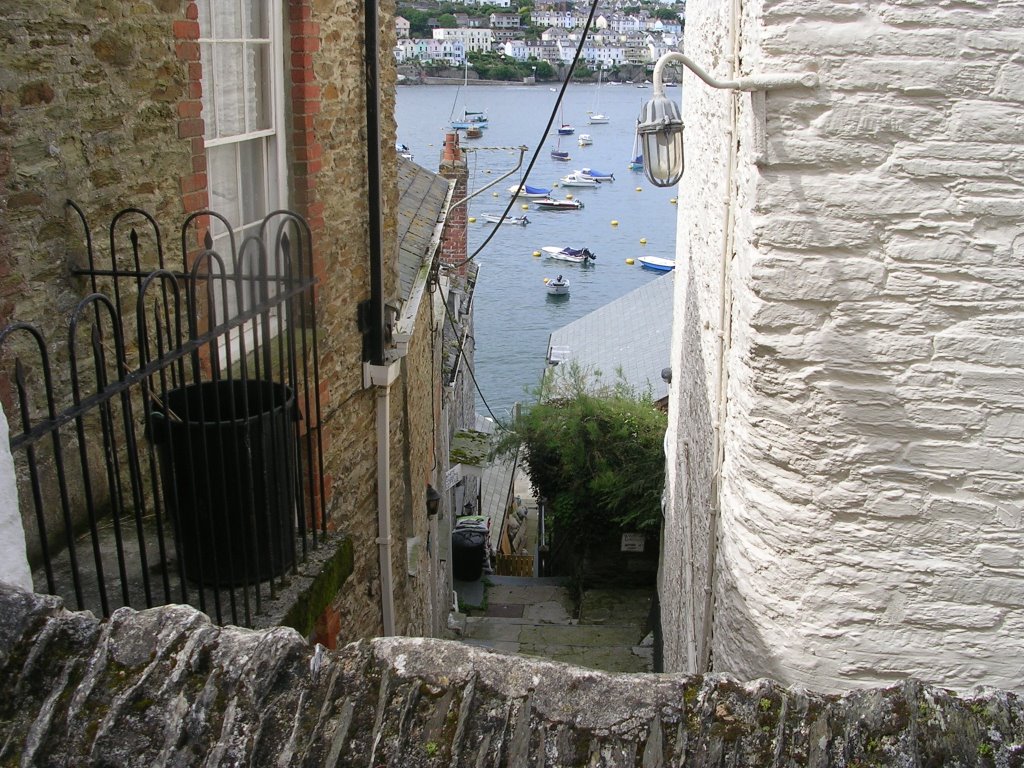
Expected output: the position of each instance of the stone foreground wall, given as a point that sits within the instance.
(166, 687)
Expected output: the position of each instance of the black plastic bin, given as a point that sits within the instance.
(228, 468)
(469, 546)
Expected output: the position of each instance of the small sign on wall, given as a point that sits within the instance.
(632, 542)
(451, 477)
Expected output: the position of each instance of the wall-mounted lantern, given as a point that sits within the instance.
(660, 125)
(433, 501)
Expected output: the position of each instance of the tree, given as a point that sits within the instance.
(595, 452)
(418, 26)
(665, 14)
(544, 69)
(447, 21)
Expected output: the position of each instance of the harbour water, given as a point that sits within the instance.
(514, 315)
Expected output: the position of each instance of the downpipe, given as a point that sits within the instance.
(387, 579)
(374, 320)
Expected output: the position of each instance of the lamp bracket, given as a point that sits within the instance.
(749, 83)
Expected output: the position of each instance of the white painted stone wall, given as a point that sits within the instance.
(14, 567)
(871, 521)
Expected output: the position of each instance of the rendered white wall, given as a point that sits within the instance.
(13, 562)
(872, 523)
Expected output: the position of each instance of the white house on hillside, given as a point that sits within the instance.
(845, 504)
(473, 40)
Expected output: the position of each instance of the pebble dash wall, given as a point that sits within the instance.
(871, 521)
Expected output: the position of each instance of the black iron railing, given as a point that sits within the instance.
(171, 451)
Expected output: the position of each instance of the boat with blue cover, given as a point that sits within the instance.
(525, 190)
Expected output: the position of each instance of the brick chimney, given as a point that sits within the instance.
(454, 247)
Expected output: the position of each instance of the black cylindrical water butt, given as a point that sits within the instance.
(228, 469)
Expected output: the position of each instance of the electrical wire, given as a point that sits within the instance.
(540, 144)
(469, 368)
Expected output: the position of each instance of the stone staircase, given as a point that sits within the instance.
(535, 617)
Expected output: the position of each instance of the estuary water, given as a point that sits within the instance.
(514, 315)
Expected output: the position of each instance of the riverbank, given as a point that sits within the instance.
(425, 80)
(414, 75)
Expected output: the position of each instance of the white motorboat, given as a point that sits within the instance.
(596, 175)
(577, 179)
(494, 218)
(572, 255)
(550, 204)
(585, 140)
(557, 286)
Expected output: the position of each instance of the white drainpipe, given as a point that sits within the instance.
(387, 579)
(381, 377)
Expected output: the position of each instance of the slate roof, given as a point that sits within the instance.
(422, 204)
(632, 333)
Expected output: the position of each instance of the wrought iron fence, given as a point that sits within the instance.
(171, 451)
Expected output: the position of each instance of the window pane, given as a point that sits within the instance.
(257, 22)
(259, 107)
(205, 19)
(229, 96)
(254, 175)
(209, 110)
(227, 18)
(223, 170)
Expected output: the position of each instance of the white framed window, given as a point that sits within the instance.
(242, 53)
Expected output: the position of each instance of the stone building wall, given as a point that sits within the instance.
(415, 431)
(89, 112)
(102, 105)
(871, 510)
(340, 126)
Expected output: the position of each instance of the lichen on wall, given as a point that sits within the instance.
(164, 686)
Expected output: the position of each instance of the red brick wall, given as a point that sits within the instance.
(194, 189)
(453, 166)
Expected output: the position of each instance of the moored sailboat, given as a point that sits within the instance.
(596, 117)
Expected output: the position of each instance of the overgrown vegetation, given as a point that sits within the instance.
(594, 450)
(495, 66)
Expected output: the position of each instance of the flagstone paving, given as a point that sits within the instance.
(535, 617)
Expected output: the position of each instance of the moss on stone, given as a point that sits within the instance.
(311, 604)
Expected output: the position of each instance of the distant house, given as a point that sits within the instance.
(505, 21)
(473, 39)
(402, 27)
(563, 19)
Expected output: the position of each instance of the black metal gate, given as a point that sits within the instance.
(171, 450)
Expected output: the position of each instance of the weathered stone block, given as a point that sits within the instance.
(166, 685)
